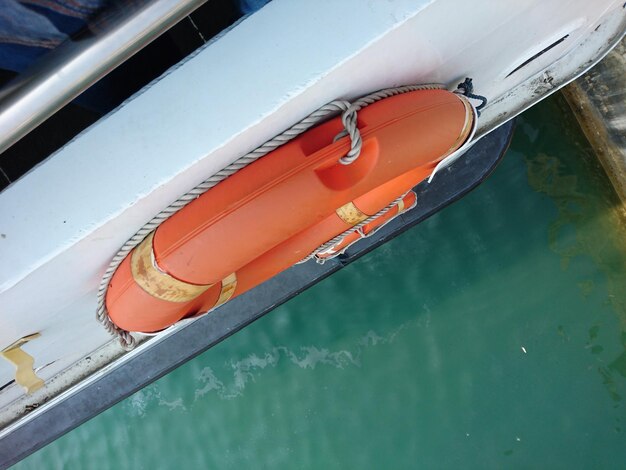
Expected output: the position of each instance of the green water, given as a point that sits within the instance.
(490, 336)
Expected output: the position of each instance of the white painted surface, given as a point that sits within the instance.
(66, 218)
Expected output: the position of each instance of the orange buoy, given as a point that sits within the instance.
(274, 212)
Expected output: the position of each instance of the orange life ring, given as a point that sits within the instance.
(277, 210)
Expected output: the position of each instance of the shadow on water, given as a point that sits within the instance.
(490, 336)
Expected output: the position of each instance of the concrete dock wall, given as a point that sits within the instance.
(598, 100)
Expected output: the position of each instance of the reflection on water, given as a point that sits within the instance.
(242, 371)
(490, 336)
(582, 217)
(589, 224)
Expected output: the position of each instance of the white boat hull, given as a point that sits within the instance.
(64, 220)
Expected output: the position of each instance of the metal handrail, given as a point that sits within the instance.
(74, 66)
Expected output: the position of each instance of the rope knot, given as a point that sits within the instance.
(350, 124)
(466, 88)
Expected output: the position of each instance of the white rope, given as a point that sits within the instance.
(333, 241)
(349, 118)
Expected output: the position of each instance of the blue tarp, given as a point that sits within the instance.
(30, 28)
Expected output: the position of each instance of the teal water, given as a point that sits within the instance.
(491, 336)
